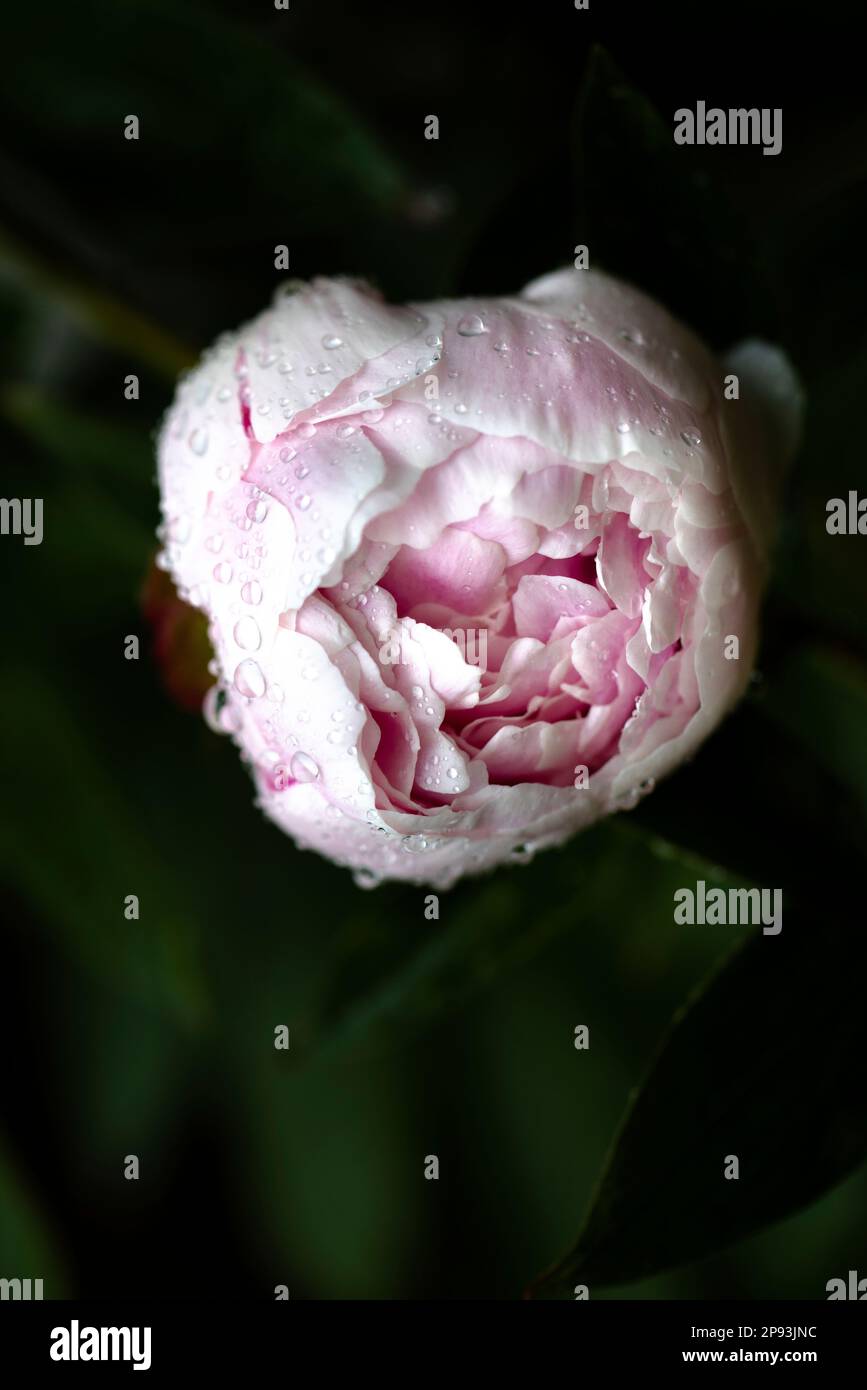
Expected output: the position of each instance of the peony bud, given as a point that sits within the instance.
(478, 572)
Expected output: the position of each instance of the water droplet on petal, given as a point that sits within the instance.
(247, 634)
(223, 572)
(212, 708)
(330, 341)
(414, 844)
(180, 528)
(303, 768)
(691, 437)
(249, 680)
(198, 441)
(471, 326)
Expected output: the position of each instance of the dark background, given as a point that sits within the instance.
(410, 1038)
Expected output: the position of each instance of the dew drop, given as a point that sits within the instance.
(303, 768)
(247, 635)
(212, 709)
(471, 326)
(249, 680)
(180, 528)
(414, 844)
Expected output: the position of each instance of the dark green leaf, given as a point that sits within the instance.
(94, 309)
(27, 1248)
(822, 579)
(819, 695)
(651, 211)
(766, 1064)
(336, 1190)
(395, 973)
(238, 151)
(93, 853)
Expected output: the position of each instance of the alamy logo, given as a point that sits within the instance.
(744, 907)
(75, 1343)
(737, 126)
(846, 517)
(22, 516)
(22, 1289)
(855, 1289)
(472, 643)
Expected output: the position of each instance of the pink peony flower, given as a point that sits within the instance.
(478, 572)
